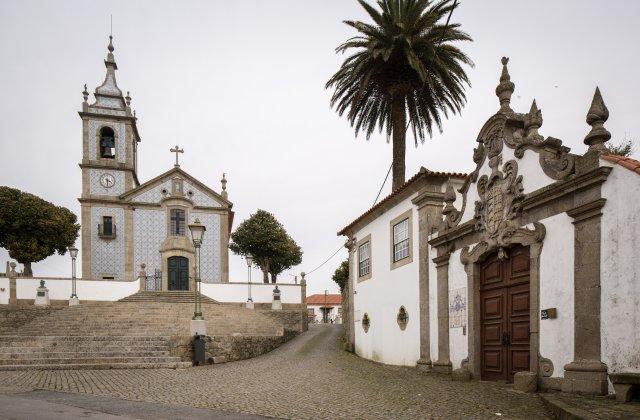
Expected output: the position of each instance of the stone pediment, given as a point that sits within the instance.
(159, 188)
(530, 161)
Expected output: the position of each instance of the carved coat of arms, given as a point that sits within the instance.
(500, 194)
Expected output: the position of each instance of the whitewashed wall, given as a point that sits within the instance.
(556, 291)
(620, 271)
(60, 288)
(111, 290)
(260, 292)
(382, 295)
(4, 294)
(458, 341)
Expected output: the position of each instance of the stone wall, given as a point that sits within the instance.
(289, 319)
(229, 348)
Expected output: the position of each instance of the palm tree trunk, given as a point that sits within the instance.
(399, 121)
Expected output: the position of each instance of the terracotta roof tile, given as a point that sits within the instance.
(421, 173)
(631, 164)
(320, 300)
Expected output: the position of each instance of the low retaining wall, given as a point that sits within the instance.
(113, 290)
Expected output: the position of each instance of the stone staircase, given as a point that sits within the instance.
(169, 297)
(141, 333)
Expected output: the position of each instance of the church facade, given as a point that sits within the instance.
(128, 227)
(525, 269)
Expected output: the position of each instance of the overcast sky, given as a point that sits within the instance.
(240, 86)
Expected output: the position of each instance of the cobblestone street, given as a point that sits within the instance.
(309, 377)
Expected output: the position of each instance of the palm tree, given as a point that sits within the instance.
(404, 65)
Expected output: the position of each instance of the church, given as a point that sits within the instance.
(128, 226)
(523, 270)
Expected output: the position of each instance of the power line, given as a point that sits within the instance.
(382, 186)
(326, 261)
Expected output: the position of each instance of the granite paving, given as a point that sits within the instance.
(309, 377)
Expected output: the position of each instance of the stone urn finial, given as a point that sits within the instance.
(506, 87)
(597, 115)
(533, 121)
(223, 182)
(85, 93)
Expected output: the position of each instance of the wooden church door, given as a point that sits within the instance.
(504, 311)
(178, 273)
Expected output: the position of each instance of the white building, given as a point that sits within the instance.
(126, 224)
(526, 266)
(323, 308)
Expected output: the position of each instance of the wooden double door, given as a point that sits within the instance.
(504, 309)
(178, 271)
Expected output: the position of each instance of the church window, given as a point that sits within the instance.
(401, 240)
(107, 143)
(177, 222)
(364, 259)
(107, 229)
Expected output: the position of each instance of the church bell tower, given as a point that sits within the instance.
(109, 166)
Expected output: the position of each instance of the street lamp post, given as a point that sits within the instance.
(326, 310)
(249, 259)
(197, 322)
(73, 300)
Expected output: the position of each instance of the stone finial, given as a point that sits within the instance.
(506, 87)
(449, 199)
(223, 181)
(302, 279)
(134, 113)
(85, 93)
(110, 58)
(533, 121)
(128, 99)
(11, 270)
(597, 115)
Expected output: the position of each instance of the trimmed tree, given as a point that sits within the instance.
(341, 275)
(264, 237)
(289, 255)
(32, 229)
(405, 71)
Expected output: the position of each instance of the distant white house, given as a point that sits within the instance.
(325, 308)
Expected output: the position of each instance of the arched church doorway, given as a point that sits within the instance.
(178, 270)
(505, 314)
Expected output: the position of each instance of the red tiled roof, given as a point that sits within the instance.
(421, 173)
(319, 300)
(631, 164)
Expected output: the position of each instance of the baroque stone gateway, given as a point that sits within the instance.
(523, 266)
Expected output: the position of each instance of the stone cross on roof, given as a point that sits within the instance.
(176, 150)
